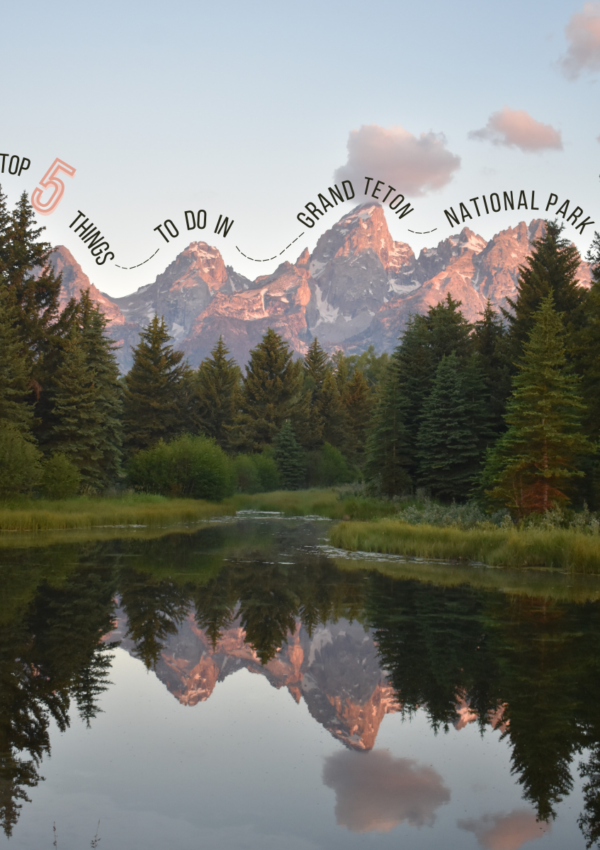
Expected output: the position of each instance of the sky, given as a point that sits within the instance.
(250, 110)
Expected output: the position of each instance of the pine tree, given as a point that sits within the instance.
(536, 461)
(454, 429)
(272, 392)
(359, 404)
(289, 457)
(35, 289)
(387, 445)
(102, 363)
(333, 412)
(152, 398)
(15, 408)
(76, 417)
(426, 340)
(316, 369)
(217, 393)
(551, 268)
(490, 342)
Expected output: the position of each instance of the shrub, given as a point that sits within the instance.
(60, 478)
(188, 466)
(255, 473)
(327, 466)
(20, 468)
(247, 479)
(268, 473)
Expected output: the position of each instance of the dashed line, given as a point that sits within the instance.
(421, 231)
(266, 260)
(127, 268)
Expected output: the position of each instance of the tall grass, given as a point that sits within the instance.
(90, 512)
(557, 548)
(83, 512)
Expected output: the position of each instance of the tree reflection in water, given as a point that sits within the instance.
(529, 665)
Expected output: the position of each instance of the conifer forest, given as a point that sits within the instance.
(503, 412)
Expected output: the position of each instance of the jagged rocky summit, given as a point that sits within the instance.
(357, 288)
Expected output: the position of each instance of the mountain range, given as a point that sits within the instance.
(335, 670)
(357, 288)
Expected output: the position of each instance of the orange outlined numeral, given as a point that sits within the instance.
(51, 181)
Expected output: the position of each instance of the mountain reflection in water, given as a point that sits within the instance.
(354, 645)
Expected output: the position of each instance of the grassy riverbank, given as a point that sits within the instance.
(556, 548)
(83, 512)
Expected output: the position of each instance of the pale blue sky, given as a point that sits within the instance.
(245, 109)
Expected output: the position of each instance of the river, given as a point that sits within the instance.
(240, 684)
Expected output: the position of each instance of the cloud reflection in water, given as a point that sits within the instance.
(375, 791)
(506, 831)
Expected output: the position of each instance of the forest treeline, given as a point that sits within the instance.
(504, 410)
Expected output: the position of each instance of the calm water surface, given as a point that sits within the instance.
(240, 686)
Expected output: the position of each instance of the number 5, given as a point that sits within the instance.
(51, 181)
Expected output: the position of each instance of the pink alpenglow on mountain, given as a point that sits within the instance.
(357, 288)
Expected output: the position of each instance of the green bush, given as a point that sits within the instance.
(188, 466)
(20, 467)
(255, 473)
(268, 473)
(247, 479)
(60, 478)
(327, 466)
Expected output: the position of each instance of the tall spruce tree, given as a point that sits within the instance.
(273, 391)
(359, 407)
(426, 340)
(77, 425)
(535, 463)
(333, 412)
(490, 341)
(108, 404)
(587, 345)
(388, 444)
(289, 457)
(217, 392)
(316, 369)
(454, 429)
(30, 279)
(15, 375)
(551, 268)
(152, 398)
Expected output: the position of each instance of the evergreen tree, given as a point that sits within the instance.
(426, 340)
(333, 412)
(102, 364)
(272, 392)
(77, 425)
(454, 429)
(358, 403)
(490, 342)
(34, 288)
(551, 268)
(587, 345)
(289, 457)
(15, 408)
(388, 444)
(316, 369)
(152, 397)
(535, 462)
(217, 394)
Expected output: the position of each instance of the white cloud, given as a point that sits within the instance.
(413, 165)
(516, 128)
(375, 791)
(506, 831)
(583, 35)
